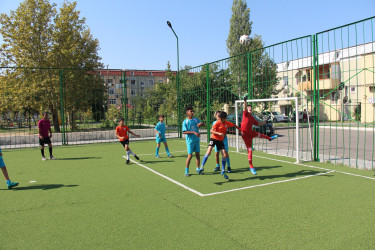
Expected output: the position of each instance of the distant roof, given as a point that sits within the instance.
(111, 72)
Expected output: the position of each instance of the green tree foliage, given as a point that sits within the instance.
(38, 38)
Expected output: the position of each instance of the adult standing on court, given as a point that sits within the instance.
(45, 135)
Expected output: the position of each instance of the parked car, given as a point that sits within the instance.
(302, 115)
(266, 129)
(275, 116)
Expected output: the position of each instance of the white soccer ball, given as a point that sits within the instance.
(245, 39)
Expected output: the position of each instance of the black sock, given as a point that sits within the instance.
(50, 151)
(42, 150)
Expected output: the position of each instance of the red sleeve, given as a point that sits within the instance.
(254, 121)
(230, 124)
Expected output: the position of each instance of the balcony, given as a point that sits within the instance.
(324, 84)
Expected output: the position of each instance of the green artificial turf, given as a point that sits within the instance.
(90, 199)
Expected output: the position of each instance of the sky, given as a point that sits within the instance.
(134, 34)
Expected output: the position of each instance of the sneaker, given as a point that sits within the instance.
(273, 137)
(224, 175)
(200, 171)
(157, 156)
(44, 158)
(52, 158)
(12, 185)
(252, 170)
(136, 157)
(187, 174)
(229, 169)
(170, 156)
(217, 169)
(127, 161)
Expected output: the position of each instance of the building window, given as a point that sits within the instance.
(141, 94)
(160, 81)
(109, 80)
(334, 97)
(111, 91)
(151, 82)
(352, 90)
(142, 83)
(150, 73)
(132, 73)
(285, 79)
(112, 101)
(142, 88)
(132, 82)
(132, 92)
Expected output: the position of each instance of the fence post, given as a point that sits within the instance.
(62, 108)
(316, 96)
(249, 87)
(124, 101)
(208, 102)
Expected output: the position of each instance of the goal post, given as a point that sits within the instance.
(295, 99)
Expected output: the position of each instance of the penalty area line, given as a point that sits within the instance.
(266, 184)
(167, 178)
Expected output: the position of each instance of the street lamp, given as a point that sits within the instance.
(177, 82)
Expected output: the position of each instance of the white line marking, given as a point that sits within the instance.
(169, 179)
(266, 184)
(32, 181)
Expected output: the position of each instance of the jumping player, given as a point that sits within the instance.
(248, 134)
(122, 134)
(10, 184)
(217, 152)
(218, 131)
(160, 137)
(190, 127)
(44, 126)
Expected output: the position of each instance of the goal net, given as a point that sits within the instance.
(285, 119)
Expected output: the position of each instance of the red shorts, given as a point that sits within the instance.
(248, 138)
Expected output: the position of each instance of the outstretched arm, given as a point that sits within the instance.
(134, 134)
(245, 102)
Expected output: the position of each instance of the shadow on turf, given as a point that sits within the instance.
(152, 162)
(288, 175)
(43, 187)
(77, 158)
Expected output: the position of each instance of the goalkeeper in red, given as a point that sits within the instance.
(248, 134)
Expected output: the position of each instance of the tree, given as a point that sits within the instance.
(264, 70)
(38, 38)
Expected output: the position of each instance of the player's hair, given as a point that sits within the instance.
(45, 113)
(217, 112)
(122, 119)
(188, 108)
(223, 115)
(161, 116)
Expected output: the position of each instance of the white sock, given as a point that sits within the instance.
(127, 154)
(131, 152)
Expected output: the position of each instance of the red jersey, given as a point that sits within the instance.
(221, 128)
(247, 122)
(122, 132)
(44, 126)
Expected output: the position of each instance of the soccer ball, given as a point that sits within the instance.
(245, 39)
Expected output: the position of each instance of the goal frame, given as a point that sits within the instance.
(295, 99)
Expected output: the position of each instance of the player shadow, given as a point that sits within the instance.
(265, 177)
(43, 187)
(247, 169)
(77, 158)
(155, 161)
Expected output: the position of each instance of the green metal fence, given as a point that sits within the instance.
(331, 73)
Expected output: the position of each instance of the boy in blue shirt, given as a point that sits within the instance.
(5, 173)
(190, 127)
(160, 137)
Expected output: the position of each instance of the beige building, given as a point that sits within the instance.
(346, 84)
(137, 82)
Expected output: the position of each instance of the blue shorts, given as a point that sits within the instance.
(193, 147)
(225, 144)
(160, 140)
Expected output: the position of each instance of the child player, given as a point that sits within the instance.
(122, 134)
(248, 134)
(190, 127)
(5, 173)
(44, 126)
(160, 137)
(218, 133)
(217, 153)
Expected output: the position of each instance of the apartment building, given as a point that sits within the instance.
(346, 84)
(137, 83)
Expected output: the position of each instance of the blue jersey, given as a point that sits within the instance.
(160, 127)
(191, 125)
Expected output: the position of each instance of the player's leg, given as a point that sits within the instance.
(157, 148)
(48, 140)
(205, 158)
(41, 143)
(217, 158)
(166, 148)
(10, 184)
(229, 169)
(128, 151)
(126, 147)
(197, 150)
(248, 139)
(223, 162)
(188, 159)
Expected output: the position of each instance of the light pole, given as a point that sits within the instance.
(177, 83)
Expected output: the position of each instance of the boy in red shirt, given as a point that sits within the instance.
(218, 131)
(248, 134)
(45, 135)
(122, 134)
